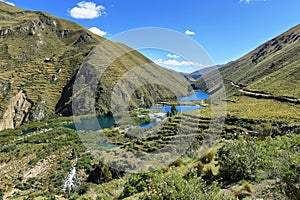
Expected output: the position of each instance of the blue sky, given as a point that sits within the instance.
(226, 29)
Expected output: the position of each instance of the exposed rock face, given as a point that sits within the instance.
(16, 112)
(84, 38)
(108, 82)
(4, 32)
(4, 89)
(39, 112)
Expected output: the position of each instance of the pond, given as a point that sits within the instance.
(194, 97)
(185, 108)
(28, 131)
(93, 124)
(180, 109)
(108, 145)
(147, 125)
(102, 122)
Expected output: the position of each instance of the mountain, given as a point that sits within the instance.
(48, 64)
(197, 74)
(272, 68)
(40, 56)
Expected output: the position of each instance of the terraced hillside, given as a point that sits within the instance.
(40, 56)
(37, 164)
(272, 68)
(253, 155)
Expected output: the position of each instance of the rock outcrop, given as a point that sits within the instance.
(16, 112)
(38, 111)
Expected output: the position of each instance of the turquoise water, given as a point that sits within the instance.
(180, 109)
(93, 124)
(26, 132)
(99, 123)
(194, 97)
(108, 145)
(147, 125)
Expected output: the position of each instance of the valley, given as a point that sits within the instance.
(169, 144)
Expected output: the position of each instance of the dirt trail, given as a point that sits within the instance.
(265, 96)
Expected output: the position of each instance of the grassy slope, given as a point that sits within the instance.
(40, 150)
(22, 56)
(25, 69)
(271, 68)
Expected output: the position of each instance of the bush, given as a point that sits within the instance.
(173, 186)
(177, 163)
(137, 184)
(1, 193)
(243, 191)
(103, 173)
(33, 161)
(290, 175)
(83, 189)
(239, 160)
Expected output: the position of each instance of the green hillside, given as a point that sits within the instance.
(253, 155)
(272, 68)
(40, 56)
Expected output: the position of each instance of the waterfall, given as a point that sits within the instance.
(72, 182)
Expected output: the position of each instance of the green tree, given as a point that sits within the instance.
(174, 110)
(1, 193)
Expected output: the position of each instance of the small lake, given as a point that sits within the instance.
(108, 145)
(147, 125)
(28, 131)
(93, 124)
(180, 109)
(194, 97)
(102, 122)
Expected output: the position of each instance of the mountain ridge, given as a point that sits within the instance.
(41, 53)
(272, 67)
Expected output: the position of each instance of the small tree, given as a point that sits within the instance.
(1, 193)
(174, 110)
(168, 114)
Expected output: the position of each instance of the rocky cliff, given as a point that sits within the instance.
(16, 112)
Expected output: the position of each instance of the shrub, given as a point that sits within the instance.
(103, 173)
(83, 189)
(239, 160)
(177, 163)
(173, 186)
(267, 129)
(1, 193)
(33, 161)
(290, 175)
(243, 191)
(137, 184)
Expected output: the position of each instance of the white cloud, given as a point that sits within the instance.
(9, 3)
(176, 63)
(159, 61)
(97, 31)
(188, 32)
(87, 10)
(173, 56)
